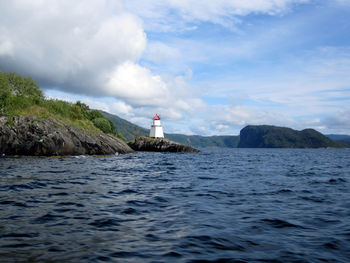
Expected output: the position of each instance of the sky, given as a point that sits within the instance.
(206, 67)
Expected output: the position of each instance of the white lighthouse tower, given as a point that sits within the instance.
(156, 128)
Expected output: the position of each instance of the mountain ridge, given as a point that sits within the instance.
(130, 131)
(269, 136)
(342, 138)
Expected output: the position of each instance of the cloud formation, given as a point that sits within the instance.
(173, 15)
(340, 121)
(87, 47)
(282, 62)
(137, 84)
(72, 47)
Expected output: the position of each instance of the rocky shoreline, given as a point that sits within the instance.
(31, 136)
(144, 143)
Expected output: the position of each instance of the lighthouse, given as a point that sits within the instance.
(156, 128)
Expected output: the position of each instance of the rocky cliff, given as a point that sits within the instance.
(143, 143)
(52, 137)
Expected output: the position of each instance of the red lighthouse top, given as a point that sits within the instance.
(156, 117)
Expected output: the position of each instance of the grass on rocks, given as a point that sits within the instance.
(22, 96)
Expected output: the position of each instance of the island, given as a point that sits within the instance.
(145, 143)
(268, 136)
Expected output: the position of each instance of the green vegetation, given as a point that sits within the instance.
(22, 96)
(125, 129)
(121, 136)
(198, 141)
(341, 138)
(265, 136)
(17, 92)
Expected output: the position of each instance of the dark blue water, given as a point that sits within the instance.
(222, 205)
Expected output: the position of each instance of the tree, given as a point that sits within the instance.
(104, 125)
(85, 110)
(95, 114)
(17, 85)
(5, 91)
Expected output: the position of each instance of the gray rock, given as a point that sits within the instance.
(143, 143)
(32, 136)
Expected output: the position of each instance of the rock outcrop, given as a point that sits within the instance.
(32, 136)
(143, 143)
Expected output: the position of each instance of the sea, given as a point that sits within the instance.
(220, 205)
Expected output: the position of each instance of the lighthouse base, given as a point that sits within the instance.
(143, 143)
(156, 132)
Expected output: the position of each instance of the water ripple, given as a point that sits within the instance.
(221, 205)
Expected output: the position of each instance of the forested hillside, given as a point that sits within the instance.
(267, 136)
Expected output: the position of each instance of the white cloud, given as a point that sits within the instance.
(99, 49)
(338, 122)
(168, 95)
(159, 52)
(121, 108)
(222, 127)
(90, 48)
(239, 116)
(68, 45)
(6, 48)
(93, 104)
(174, 15)
(137, 84)
(327, 61)
(344, 2)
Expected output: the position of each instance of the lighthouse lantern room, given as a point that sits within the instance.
(156, 128)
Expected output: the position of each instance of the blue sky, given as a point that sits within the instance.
(207, 67)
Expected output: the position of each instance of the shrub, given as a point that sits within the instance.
(84, 109)
(113, 128)
(19, 94)
(95, 114)
(103, 124)
(22, 86)
(121, 136)
(58, 107)
(77, 113)
(4, 86)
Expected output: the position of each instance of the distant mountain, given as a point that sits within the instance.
(130, 131)
(198, 141)
(126, 128)
(265, 136)
(344, 139)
